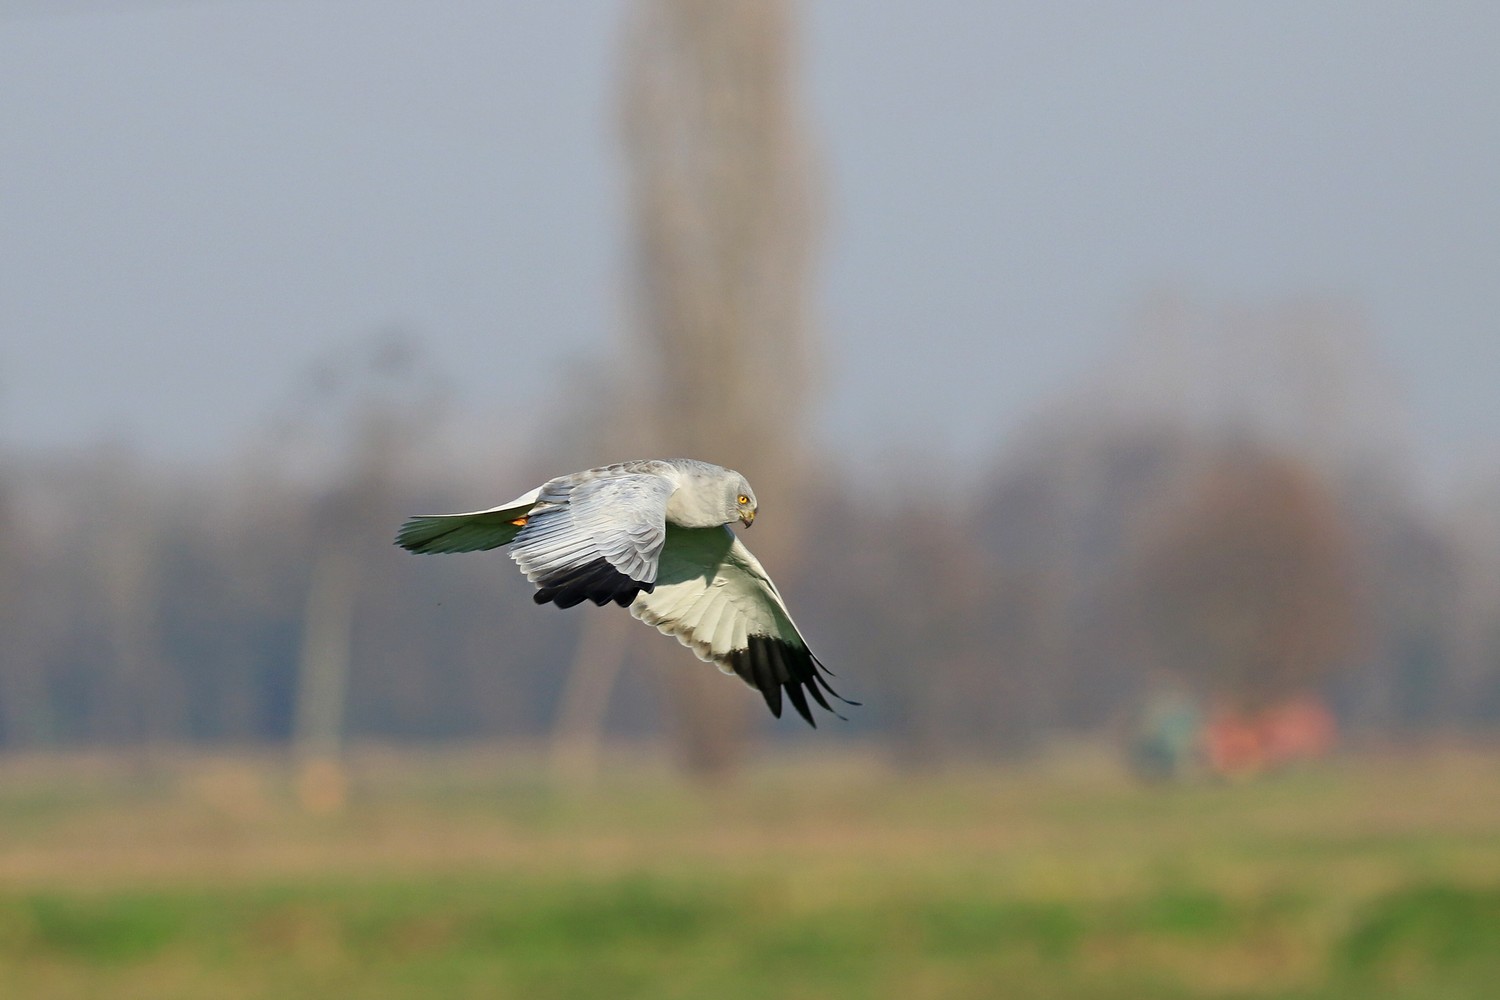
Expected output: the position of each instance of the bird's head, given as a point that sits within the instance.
(741, 500)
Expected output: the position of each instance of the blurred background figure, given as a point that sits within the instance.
(1166, 739)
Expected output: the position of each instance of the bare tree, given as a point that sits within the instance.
(1474, 693)
(372, 400)
(1246, 589)
(23, 703)
(722, 234)
(1061, 518)
(128, 554)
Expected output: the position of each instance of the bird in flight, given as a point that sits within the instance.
(653, 536)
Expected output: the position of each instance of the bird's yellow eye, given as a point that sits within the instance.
(744, 499)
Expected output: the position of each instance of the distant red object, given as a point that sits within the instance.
(1238, 744)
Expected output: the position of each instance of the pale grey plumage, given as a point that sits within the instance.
(580, 520)
(653, 535)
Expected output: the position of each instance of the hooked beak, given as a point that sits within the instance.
(747, 518)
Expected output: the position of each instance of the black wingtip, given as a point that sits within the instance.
(776, 667)
(799, 702)
(818, 673)
(773, 699)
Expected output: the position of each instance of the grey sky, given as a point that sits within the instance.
(198, 199)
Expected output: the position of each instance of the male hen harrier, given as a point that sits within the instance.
(654, 536)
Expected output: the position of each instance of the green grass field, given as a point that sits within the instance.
(464, 875)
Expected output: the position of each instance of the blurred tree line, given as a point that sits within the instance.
(1223, 512)
(1097, 559)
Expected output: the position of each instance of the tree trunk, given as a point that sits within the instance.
(591, 678)
(322, 680)
(721, 212)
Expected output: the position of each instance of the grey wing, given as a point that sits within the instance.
(717, 599)
(474, 531)
(595, 536)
